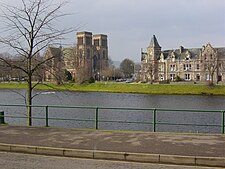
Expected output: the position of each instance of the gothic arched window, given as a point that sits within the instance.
(104, 55)
(88, 54)
(81, 52)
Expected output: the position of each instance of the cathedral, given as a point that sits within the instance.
(85, 60)
(187, 64)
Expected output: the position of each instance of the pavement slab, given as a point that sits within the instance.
(183, 144)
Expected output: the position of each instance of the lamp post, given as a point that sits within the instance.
(133, 67)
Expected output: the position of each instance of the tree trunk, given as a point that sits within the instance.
(212, 78)
(29, 102)
(29, 94)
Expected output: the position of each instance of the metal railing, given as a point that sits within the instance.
(154, 123)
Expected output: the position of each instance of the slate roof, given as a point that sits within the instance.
(194, 53)
(56, 52)
(221, 53)
(154, 43)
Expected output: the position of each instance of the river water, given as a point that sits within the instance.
(117, 100)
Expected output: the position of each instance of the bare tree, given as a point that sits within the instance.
(27, 31)
(210, 63)
(211, 67)
(151, 69)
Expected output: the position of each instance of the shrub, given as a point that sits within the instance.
(91, 80)
(178, 79)
(164, 82)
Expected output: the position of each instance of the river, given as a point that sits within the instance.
(117, 100)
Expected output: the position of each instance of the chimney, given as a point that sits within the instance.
(181, 49)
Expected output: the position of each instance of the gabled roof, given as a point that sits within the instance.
(194, 53)
(154, 43)
(56, 52)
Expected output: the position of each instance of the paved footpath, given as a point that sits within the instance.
(175, 144)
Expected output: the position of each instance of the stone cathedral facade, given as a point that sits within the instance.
(87, 58)
(189, 64)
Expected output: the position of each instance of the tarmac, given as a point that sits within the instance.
(175, 148)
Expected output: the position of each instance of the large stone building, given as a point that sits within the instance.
(86, 59)
(190, 64)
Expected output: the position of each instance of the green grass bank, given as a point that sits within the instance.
(169, 89)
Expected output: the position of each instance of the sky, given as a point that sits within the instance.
(130, 24)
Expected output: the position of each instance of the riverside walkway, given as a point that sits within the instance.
(177, 148)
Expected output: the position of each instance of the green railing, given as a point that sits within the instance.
(154, 120)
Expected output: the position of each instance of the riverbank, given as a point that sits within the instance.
(168, 89)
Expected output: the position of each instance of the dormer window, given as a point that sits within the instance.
(188, 55)
(173, 56)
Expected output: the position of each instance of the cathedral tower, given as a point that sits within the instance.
(85, 51)
(101, 52)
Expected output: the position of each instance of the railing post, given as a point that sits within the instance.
(2, 118)
(154, 120)
(222, 122)
(46, 116)
(96, 118)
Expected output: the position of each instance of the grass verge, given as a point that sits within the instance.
(168, 89)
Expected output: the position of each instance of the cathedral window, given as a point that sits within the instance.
(104, 55)
(81, 52)
(88, 54)
(96, 42)
(80, 41)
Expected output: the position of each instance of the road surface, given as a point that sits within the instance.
(29, 161)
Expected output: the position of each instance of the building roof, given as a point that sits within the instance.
(182, 54)
(154, 43)
(221, 53)
(56, 52)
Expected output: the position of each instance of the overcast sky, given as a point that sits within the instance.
(130, 24)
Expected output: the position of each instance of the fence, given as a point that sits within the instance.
(154, 118)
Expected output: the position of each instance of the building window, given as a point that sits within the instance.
(211, 56)
(172, 77)
(161, 77)
(161, 68)
(187, 67)
(187, 77)
(208, 77)
(197, 77)
(197, 67)
(172, 68)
